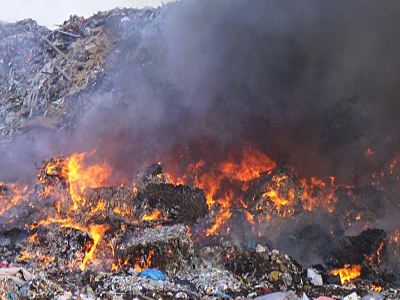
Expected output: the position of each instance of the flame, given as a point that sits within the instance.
(81, 176)
(47, 259)
(236, 172)
(101, 206)
(24, 256)
(316, 193)
(379, 251)
(95, 231)
(152, 217)
(393, 165)
(225, 183)
(17, 192)
(252, 164)
(223, 215)
(347, 273)
(249, 217)
(33, 238)
(140, 266)
(281, 201)
(376, 287)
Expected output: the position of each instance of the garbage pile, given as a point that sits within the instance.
(225, 233)
(47, 78)
(73, 237)
(21, 58)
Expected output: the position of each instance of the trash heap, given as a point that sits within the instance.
(48, 78)
(147, 240)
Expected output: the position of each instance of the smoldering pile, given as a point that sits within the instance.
(61, 239)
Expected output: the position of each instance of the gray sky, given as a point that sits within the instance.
(53, 12)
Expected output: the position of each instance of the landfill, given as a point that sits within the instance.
(73, 235)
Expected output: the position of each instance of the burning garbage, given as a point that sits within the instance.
(88, 227)
(222, 211)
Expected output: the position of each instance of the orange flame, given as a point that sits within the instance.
(252, 164)
(140, 266)
(81, 176)
(223, 215)
(24, 256)
(95, 231)
(347, 273)
(18, 193)
(152, 217)
(376, 287)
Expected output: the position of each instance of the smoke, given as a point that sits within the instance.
(313, 85)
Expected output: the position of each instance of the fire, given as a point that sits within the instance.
(347, 273)
(376, 287)
(317, 193)
(12, 194)
(280, 201)
(379, 251)
(152, 217)
(101, 206)
(249, 217)
(95, 231)
(47, 259)
(393, 165)
(223, 215)
(33, 238)
(252, 164)
(224, 183)
(140, 265)
(24, 256)
(81, 176)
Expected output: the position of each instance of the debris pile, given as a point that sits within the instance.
(149, 239)
(47, 77)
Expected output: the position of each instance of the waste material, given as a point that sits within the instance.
(314, 277)
(153, 274)
(352, 296)
(114, 244)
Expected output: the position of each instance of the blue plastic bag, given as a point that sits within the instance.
(153, 274)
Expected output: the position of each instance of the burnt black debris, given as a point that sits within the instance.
(353, 249)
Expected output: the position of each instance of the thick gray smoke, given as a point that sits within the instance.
(312, 84)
